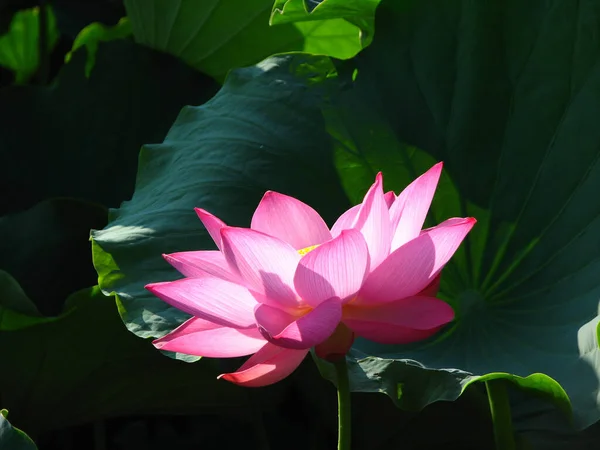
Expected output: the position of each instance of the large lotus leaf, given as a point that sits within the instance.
(301, 10)
(262, 131)
(216, 36)
(507, 94)
(86, 366)
(12, 438)
(81, 137)
(413, 386)
(19, 46)
(359, 12)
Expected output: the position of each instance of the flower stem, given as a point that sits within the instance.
(343, 395)
(501, 417)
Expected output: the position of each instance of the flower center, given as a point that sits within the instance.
(304, 251)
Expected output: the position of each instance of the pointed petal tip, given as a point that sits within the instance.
(158, 343)
(229, 229)
(171, 258)
(168, 257)
(226, 231)
(265, 196)
(351, 231)
(159, 287)
(231, 378)
(455, 221)
(435, 171)
(212, 224)
(469, 221)
(203, 215)
(274, 194)
(389, 198)
(152, 286)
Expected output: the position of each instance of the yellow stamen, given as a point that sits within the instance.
(304, 251)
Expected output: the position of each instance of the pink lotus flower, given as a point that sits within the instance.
(289, 283)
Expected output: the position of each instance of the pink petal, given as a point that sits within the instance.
(411, 268)
(410, 209)
(408, 320)
(286, 330)
(212, 224)
(203, 338)
(345, 221)
(267, 366)
(210, 298)
(389, 198)
(265, 264)
(348, 219)
(373, 221)
(290, 220)
(334, 269)
(198, 264)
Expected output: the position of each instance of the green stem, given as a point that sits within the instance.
(343, 395)
(501, 417)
